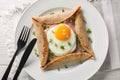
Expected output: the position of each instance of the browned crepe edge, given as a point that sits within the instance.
(56, 18)
(42, 43)
(82, 34)
(66, 59)
(58, 60)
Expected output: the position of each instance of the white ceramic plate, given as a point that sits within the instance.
(99, 36)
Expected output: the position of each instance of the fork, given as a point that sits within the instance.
(20, 44)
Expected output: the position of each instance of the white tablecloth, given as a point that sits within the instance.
(10, 11)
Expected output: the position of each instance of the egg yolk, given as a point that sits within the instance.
(62, 32)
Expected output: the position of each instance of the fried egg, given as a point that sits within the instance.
(62, 39)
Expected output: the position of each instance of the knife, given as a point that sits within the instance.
(24, 58)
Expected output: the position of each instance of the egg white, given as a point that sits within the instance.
(53, 41)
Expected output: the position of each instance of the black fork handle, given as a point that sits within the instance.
(5, 76)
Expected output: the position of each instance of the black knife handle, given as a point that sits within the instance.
(24, 58)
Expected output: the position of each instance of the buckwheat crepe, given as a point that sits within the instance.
(42, 43)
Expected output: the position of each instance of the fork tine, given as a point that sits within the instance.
(27, 34)
(22, 32)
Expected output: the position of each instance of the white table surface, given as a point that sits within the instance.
(5, 7)
(4, 57)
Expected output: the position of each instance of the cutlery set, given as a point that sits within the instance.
(20, 44)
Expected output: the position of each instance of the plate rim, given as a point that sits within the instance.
(82, 1)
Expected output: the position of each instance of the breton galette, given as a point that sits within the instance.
(62, 39)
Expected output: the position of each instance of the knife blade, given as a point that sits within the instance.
(24, 58)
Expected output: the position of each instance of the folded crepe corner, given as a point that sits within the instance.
(42, 43)
(82, 34)
(62, 60)
(57, 18)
